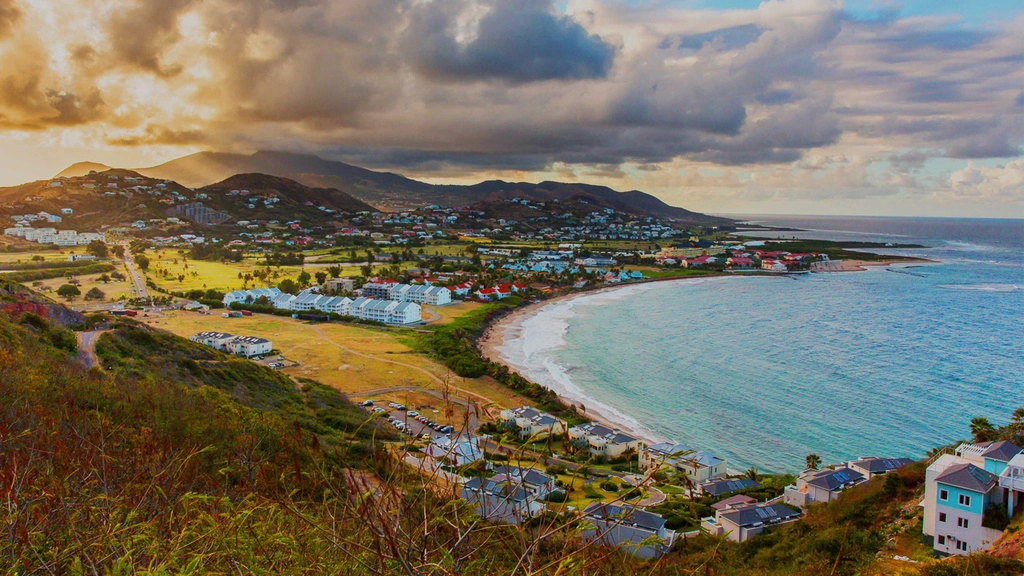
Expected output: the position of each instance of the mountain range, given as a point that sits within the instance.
(389, 191)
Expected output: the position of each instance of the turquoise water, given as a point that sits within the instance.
(763, 371)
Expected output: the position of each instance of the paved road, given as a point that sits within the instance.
(87, 347)
(140, 283)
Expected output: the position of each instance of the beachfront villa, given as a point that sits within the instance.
(699, 465)
(725, 486)
(871, 466)
(962, 488)
(821, 485)
(533, 423)
(740, 521)
(501, 499)
(455, 452)
(636, 531)
(388, 311)
(533, 481)
(604, 441)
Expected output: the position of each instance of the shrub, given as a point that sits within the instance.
(609, 486)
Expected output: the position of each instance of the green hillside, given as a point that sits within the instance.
(173, 458)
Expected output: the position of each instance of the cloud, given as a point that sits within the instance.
(513, 42)
(624, 92)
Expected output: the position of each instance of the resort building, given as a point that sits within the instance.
(533, 423)
(336, 285)
(215, 340)
(961, 488)
(628, 527)
(501, 500)
(421, 294)
(725, 486)
(699, 465)
(741, 521)
(533, 481)
(250, 296)
(821, 485)
(379, 290)
(455, 452)
(604, 441)
(872, 466)
(249, 346)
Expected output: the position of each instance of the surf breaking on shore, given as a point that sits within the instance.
(527, 339)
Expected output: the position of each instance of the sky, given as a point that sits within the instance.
(874, 107)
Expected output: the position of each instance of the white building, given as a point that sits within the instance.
(636, 531)
(821, 485)
(421, 294)
(215, 340)
(249, 346)
(741, 521)
(533, 423)
(604, 441)
(250, 296)
(700, 465)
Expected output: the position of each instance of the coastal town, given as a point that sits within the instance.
(388, 275)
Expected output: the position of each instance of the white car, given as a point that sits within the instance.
(413, 413)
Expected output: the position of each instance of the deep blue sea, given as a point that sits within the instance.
(765, 370)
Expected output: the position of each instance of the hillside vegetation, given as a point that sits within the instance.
(172, 458)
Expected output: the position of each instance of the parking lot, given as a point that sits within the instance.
(410, 424)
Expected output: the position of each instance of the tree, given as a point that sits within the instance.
(367, 270)
(143, 261)
(1018, 416)
(97, 249)
(304, 278)
(104, 278)
(813, 461)
(982, 429)
(321, 277)
(69, 292)
(117, 276)
(288, 286)
(95, 294)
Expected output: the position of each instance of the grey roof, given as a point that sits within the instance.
(525, 475)
(503, 490)
(764, 514)
(625, 515)
(727, 485)
(832, 480)
(1002, 451)
(968, 477)
(879, 465)
(668, 448)
(734, 501)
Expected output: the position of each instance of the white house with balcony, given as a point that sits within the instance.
(533, 423)
(741, 520)
(963, 487)
(604, 441)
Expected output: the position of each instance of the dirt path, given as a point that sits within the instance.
(87, 347)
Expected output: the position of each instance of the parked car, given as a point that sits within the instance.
(367, 403)
(413, 413)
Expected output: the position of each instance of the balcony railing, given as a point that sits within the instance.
(1012, 482)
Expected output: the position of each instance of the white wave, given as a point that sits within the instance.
(983, 287)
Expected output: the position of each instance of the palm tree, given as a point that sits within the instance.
(813, 461)
(752, 474)
(982, 429)
(1018, 416)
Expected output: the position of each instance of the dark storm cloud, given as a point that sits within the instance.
(515, 42)
(141, 31)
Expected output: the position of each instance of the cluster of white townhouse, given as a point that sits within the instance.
(701, 466)
(456, 452)
(533, 423)
(63, 238)
(386, 311)
(247, 346)
(419, 293)
(513, 495)
(740, 518)
(963, 488)
(633, 529)
(604, 441)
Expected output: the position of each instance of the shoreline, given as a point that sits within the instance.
(499, 330)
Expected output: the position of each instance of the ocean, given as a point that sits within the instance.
(766, 370)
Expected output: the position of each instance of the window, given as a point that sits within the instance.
(962, 546)
(965, 500)
(943, 494)
(942, 540)
(962, 522)
(942, 517)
